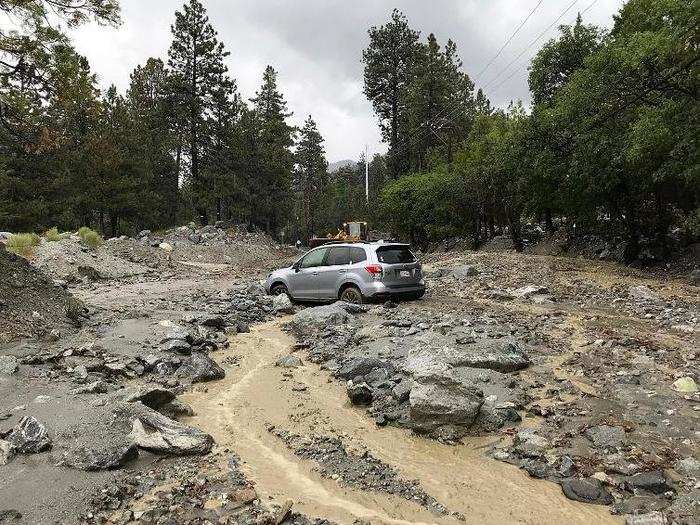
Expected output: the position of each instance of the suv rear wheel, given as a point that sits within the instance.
(352, 294)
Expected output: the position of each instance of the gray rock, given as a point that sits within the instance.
(7, 452)
(178, 346)
(177, 333)
(321, 316)
(212, 321)
(359, 394)
(282, 304)
(438, 399)
(402, 390)
(650, 518)
(695, 277)
(642, 293)
(587, 490)
(361, 366)
(653, 481)
(528, 443)
(89, 273)
(152, 396)
(528, 291)
(688, 466)
(162, 435)
(289, 361)
(108, 457)
(8, 365)
(605, 436)
(201, 368)
(29, 436)
(494, 355)
(464, 271)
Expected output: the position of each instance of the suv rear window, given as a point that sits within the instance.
(395, 255)
(357, 255)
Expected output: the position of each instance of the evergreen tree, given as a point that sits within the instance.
(272, 188)
(389, 70)
(310, 178)
(155, 142)
(196, 61)
(222, 152)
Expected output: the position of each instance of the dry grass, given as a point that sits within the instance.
(23, 244)
(90, 237)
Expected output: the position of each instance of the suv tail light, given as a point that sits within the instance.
(374, 270)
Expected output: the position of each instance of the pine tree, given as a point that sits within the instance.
(196, 60)
(155, 139)
(276, 137)
(222, 152)
(389, 70)
(310, 178)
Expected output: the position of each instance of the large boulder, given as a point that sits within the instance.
(320, 317)
(152, 396)
(494, 355)
(162, 435)
(29, 436)
(587, 490)
(438, 399)
(361, 366)
(282, 304)
(359, 394)
(201, 368)
(108, 457)
(464, 271)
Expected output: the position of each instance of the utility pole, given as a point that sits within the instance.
(367, 173)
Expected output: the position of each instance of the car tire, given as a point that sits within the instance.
(352, 294)
(414, 296)
(279, 289)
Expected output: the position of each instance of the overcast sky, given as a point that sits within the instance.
(316, 46)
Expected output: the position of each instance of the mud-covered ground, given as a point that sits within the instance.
(522, 388)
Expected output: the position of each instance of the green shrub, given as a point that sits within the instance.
(23, 244)
(90, 237)
(52, 235)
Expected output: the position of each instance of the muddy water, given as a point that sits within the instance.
(256, 394)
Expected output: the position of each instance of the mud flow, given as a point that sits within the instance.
(256, 396)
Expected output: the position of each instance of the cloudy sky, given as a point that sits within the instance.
(316, 46)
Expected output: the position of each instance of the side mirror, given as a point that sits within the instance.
(296, 267)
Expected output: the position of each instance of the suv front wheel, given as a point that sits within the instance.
(352, 294)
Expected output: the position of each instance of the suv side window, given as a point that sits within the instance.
(314, 258)
(339, 256)
(357, 255)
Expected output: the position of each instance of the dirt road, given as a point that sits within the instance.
(255, 395)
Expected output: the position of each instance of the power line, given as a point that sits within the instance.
(515, 71)
(517, 30)
(404, 142)
(531, 44)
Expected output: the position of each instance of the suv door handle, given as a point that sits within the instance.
(342, 271)
(314, 273)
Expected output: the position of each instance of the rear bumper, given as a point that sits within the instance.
(378, 289)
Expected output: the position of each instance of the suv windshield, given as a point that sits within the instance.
(395, 255)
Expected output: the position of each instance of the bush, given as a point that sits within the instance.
(23, 244)
(53, 235)
(90, 237)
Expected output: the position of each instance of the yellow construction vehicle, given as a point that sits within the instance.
(352, 231)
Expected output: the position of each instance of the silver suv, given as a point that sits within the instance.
(351, 272)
